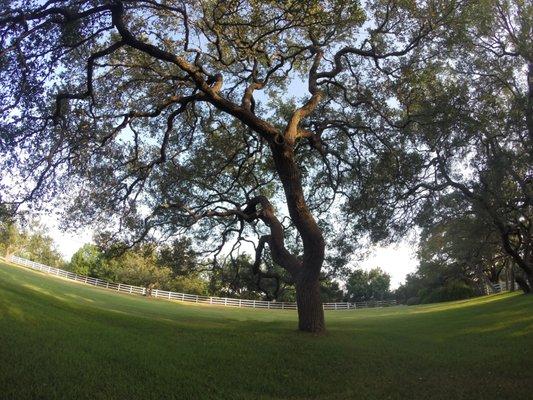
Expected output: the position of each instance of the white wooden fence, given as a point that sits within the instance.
(498, 287)
(192, 298)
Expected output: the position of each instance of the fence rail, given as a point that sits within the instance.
(191, 298)
(499, 287)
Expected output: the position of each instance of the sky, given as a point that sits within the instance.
(397, 260)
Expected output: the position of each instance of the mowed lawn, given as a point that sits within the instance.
(62, 340)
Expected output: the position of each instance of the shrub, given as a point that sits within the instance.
(190, 284)
(451, 291)
(411, 301)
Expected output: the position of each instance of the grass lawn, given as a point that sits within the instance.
(62, 340)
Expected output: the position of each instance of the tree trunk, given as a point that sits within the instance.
(306, 276)
(529, 109)
(493, 275)
(530, 282)
(523, 284)
(310, 309)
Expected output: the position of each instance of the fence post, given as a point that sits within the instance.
(169, 294)
(156, 291)
(240, 302)
(196, 298)
(131, 289)
(254, 304)
(107, 285)
(118, 288)
(225, 301)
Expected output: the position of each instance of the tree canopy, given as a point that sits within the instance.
(32, 242)
(368, 285)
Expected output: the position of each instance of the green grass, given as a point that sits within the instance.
(62, 340)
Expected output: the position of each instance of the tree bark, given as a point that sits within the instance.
(529, 109)
(306, 277)
(310, 309)
(530, 282)
(523, 284)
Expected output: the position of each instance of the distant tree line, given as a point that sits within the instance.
(32, 243)
(458, 254)
(177, 267)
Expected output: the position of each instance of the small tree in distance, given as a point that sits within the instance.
(31, 242)
(368, 285)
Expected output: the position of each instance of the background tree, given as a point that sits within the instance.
(368, 285)
(143, 265)
(434, 283)
(473, 115)
(32, 243)
(139, 267)
(453, 234)
(330, 291)
(12, 239)
(241, 277)
(179, 256)
(87, 261)
(460, 253)
(40, 247)
(178, 116)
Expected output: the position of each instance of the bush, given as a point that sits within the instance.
(451, 291)
(190, 284)
(411, 301)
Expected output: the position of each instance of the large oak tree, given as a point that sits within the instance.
(228, 119)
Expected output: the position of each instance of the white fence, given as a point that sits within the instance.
(499, 287)
(192, 298)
